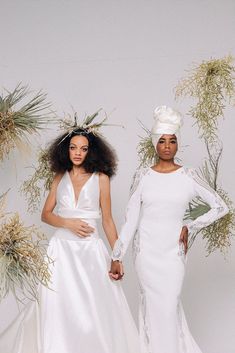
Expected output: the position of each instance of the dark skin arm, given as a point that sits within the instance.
(184, 238)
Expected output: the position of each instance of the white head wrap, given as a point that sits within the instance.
(167, 121)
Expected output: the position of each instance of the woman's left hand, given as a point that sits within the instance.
(184, 238)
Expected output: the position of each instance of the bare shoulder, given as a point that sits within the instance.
(57, 178)
(103, 178)
(104, 183)
(51, 198)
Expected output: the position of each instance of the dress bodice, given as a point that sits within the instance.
(160, 200)
(88, 204)
(165, 196)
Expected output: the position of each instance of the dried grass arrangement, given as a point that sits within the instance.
(69, 124)
(21, 116)
(24, 263)
(219, 234)
(87, 124)
(145, 149)
(38, 183)
(2, 204)
(212, 84)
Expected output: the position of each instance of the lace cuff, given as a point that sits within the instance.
(218, 208)
(118, 253)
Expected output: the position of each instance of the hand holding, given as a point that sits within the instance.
(116, 270)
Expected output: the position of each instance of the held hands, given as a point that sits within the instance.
(116, 270)
(79, 227)
(184, 238)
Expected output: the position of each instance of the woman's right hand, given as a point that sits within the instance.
(79, 227)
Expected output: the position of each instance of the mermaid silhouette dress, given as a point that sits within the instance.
(156, 208)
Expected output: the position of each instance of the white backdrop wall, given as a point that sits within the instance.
(125, 56)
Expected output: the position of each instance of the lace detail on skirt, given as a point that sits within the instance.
(136, 246)
(143, 313)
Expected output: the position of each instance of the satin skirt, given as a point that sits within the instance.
(83, 312)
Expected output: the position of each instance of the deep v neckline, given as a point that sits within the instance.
(76, 200)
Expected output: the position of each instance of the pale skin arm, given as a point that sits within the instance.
(108, 223)
(76, 225)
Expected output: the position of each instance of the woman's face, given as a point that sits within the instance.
(78, 149)
(167, 147)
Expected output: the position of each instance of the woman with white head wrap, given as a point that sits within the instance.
(156, 208)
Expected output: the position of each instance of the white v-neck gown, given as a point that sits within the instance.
(156, 208)
(85, 312)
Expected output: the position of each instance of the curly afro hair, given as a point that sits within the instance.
(101, 157)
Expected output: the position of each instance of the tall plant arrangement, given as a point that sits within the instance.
(21, 114)
(23, 259)
(211, 85)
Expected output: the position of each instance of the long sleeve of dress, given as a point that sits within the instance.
(131, 223)
(218, 208)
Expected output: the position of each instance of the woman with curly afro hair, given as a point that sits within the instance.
(100, 156)
(85, 310)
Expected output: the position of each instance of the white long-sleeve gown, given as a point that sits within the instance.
(85, 312)
(157, 208)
